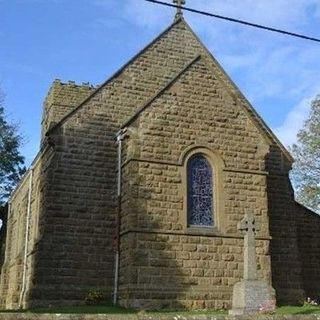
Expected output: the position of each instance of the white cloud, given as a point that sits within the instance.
(269, 66)
(240, 61)
(287, 132)
(280, 13)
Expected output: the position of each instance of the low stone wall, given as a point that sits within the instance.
(143, 316)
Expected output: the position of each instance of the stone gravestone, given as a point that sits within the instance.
(251, 295)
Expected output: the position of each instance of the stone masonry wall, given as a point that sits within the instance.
(11, 272)
(12, 268)
(173, 265)
(183, 271)
(77, 201)
(309, 249)
(62, 98)
(80, 193)
(285, 255)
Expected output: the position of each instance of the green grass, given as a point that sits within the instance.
(110, 309)
(305, 309)
(81, 309)
(85, 309)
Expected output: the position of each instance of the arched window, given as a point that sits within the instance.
(200, 190)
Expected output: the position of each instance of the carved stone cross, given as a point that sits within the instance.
(251, 295)
(179, 3)
(249, 226)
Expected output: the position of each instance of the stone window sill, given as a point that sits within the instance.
(203, 231)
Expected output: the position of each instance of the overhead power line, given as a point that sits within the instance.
(292, 34)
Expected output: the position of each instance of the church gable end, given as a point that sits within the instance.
(82, 172)
(192, 156)
(195, 116)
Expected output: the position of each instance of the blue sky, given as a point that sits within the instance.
(88, 40)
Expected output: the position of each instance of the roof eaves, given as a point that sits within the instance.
(160, 92)
(113, 77)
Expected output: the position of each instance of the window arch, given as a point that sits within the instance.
(207, 192)
(200, 191)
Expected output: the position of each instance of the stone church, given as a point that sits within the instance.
(139, 185)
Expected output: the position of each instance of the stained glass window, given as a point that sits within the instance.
(200, 191)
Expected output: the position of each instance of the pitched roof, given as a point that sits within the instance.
(200, 49)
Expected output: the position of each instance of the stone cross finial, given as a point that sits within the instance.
(179, 3)
(249, 226)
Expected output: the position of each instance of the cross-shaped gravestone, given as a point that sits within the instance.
(251, 295)
(249, 226)
(179, 3)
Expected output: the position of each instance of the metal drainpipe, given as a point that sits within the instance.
(8, 217)
(24, 275)
(119, 138)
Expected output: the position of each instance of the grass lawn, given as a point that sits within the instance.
(81, 309)
(110, 309)
(306, 309)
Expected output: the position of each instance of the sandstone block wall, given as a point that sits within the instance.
(163, 263)
(308, 225)
(14, 259)
(176, 270)
(61, 99)
(285, 255)
(79, 206)
(80, 193)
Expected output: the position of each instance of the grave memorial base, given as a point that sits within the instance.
(252, 296)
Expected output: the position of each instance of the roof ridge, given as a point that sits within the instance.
(114, 76)
(159, 93)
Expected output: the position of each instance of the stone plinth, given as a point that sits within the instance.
(252, 296)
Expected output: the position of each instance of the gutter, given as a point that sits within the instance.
(119, 138)
(24, 275)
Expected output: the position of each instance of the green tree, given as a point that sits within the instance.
(306, 169)
(11, 161)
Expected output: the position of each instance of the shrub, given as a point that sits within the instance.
(94, 296)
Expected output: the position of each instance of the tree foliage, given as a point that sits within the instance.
(306, 170)
(11, 161)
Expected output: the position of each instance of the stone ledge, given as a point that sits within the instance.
(143, 316)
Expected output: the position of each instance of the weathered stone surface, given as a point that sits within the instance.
(163, 263)
(251, 297)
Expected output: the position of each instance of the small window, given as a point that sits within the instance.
(200, 188)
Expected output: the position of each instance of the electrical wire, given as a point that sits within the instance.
(292, 34)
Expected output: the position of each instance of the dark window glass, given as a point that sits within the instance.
(200, 191)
